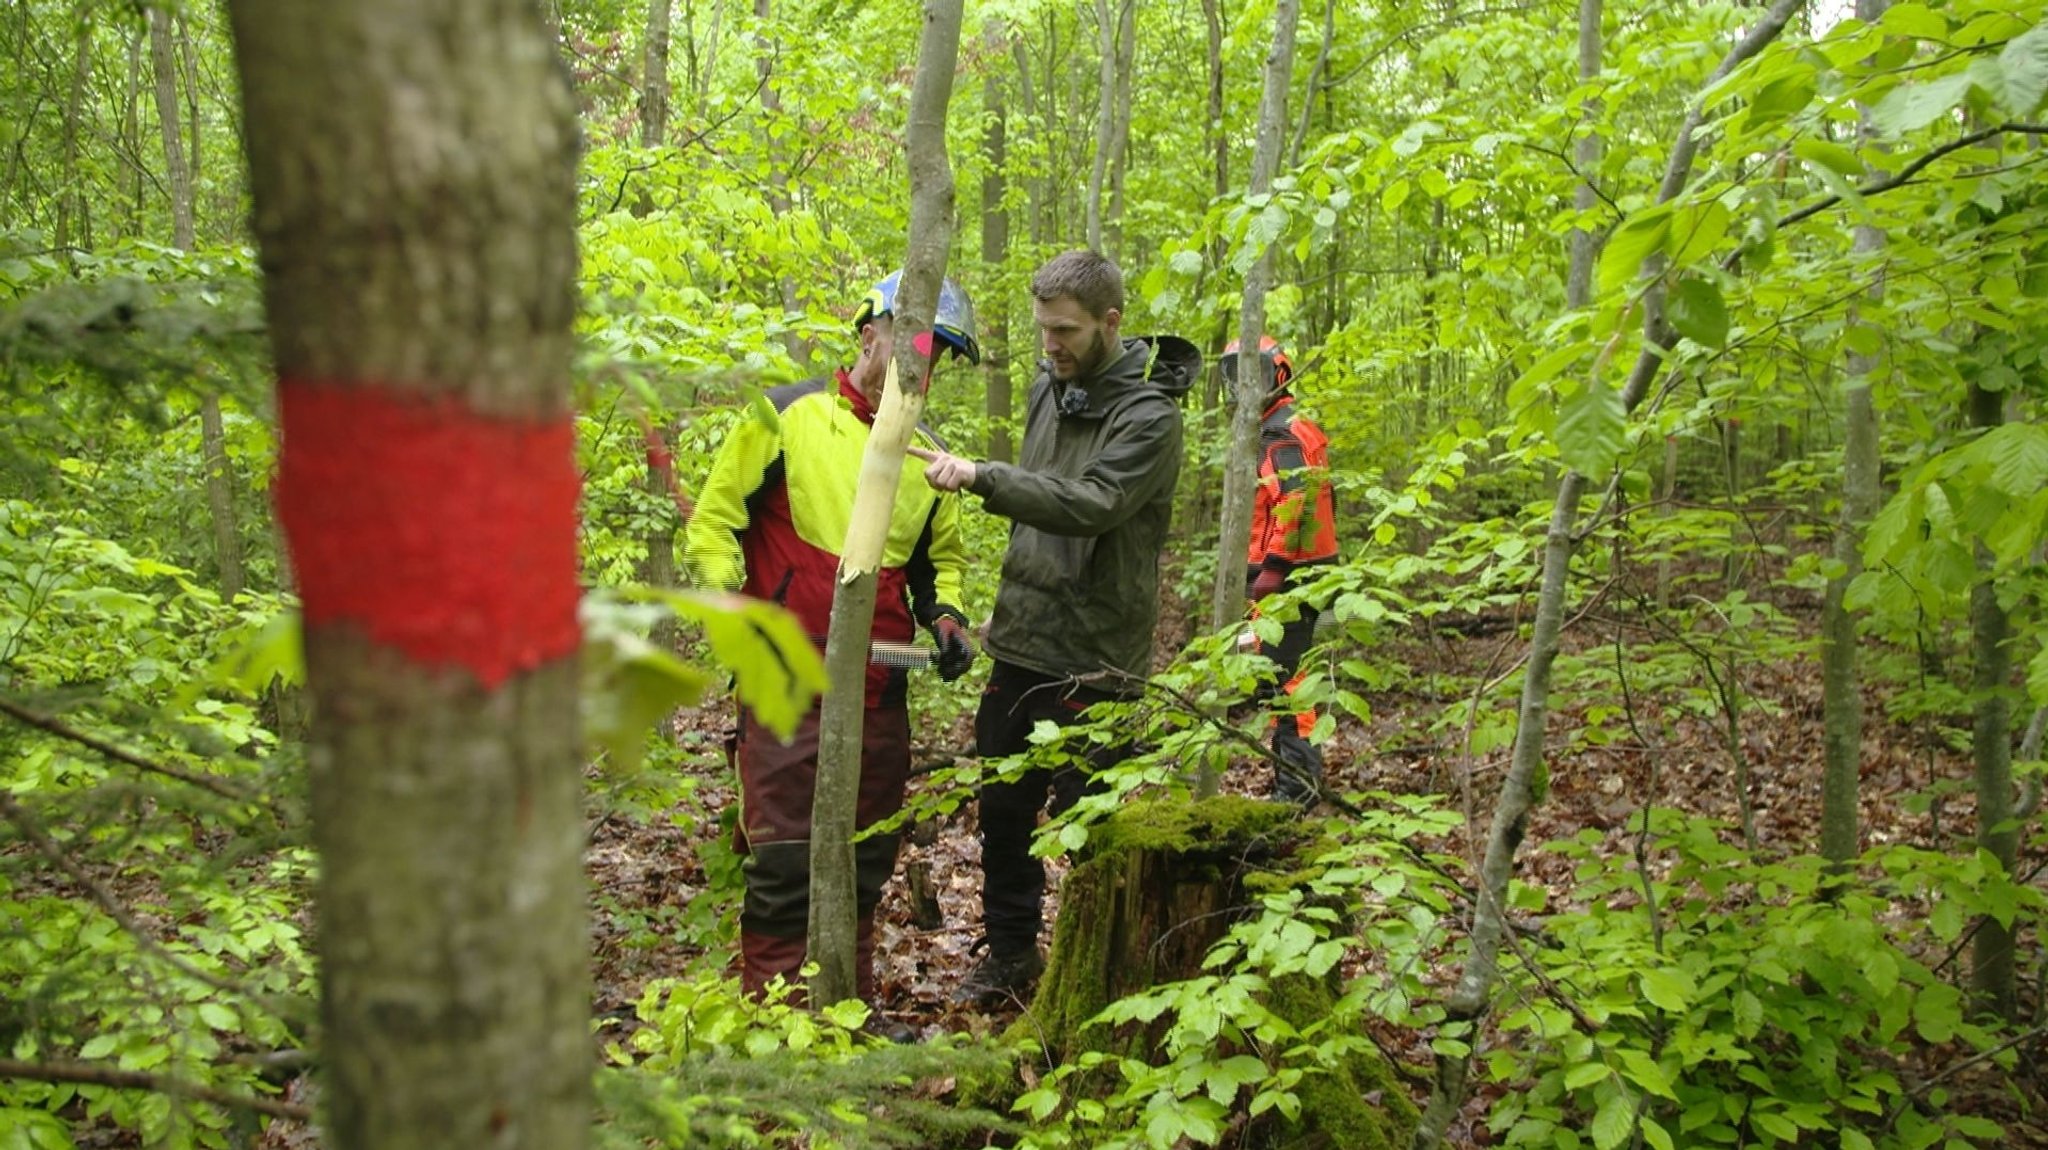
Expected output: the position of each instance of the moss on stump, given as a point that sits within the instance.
(1158, 884)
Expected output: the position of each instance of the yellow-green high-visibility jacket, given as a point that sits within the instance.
(772, 518)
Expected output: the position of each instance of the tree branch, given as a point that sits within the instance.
(87, 1074)
(56, 727)
(54, 851)
(1919, 164)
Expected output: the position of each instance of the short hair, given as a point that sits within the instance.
(1086, 277)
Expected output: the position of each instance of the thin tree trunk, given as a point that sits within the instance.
(1991, 968)
(131, 131)
(1105, 118)
(1120, 129)
(220, 497)
(1468, 1000)
(778, 178)
(71, 200)
(1241, 465)
(1841, 686)
(659, 568)
(834, 911)
(995, 250)
(1034, 183)
(1316, 74)
(413, 175)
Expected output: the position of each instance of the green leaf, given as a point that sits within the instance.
(2018, 453)
(219, 1017)
(1696, 232)
(1586, 1074)
(1591, 428)
(1611, 1126)
(1782, 97)
(1748, 1010)
(1658, 1137)
(1669, 988)
(1395, 195)
(2024, 65)
(777, 670)
(1644, 1071)
(1937, 1012)
(1697, 310)
(1881, 970)
(1910, 107)
(1632, 243)
(1830, 156)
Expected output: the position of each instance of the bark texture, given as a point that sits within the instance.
(1841, 692)
(932, 211)
(1241, 465)
(413, 175)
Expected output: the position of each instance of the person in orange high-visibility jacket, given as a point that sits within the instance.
(1294, 527)
(770, 521)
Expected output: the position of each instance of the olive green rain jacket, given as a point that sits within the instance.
(1089, 502)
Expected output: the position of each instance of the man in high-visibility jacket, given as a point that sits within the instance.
(770, 522)
(1294, 527)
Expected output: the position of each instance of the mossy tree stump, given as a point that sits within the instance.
(1158, 885)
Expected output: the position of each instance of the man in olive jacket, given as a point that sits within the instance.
(1089, 502)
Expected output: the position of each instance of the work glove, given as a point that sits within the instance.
(956, 651)
(1267, 582)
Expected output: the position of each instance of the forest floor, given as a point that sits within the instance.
(649, 878)
(1916, 789)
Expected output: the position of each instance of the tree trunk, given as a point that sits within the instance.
(778, 179)
(1468, 1000)
(833, 905)
(1241, 465)
(1991, 969)
(220, 496)
(659, 568)
(1159, 884)
(71, 201)
(995, 251)
(413, 175)
(1316, 76)
(1841, 687)
(1120, 129)
(1105, 118)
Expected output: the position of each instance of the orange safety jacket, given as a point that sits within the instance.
(1294, 514)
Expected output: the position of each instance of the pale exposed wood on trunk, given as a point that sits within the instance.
(833, 910)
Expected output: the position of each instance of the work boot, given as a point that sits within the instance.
(1002, 973)
(1298, 773)
(893, 1030)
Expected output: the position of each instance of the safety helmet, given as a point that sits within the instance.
(1279, 368)
(955, 322)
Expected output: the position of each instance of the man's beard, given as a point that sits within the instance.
(1097, 357)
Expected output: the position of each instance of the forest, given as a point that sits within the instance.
(1680, 683)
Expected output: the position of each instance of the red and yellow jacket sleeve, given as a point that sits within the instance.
(711, 542)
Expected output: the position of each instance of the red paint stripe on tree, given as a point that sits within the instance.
(444, 533)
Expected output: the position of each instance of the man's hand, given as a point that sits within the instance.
(956, 652)
(944, 470)
(1267, 582)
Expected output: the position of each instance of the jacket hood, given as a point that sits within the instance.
(1175, 366)
(1147, 365)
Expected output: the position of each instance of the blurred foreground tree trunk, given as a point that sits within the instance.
(413, 178)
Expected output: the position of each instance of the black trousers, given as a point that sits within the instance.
(1012, 880)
